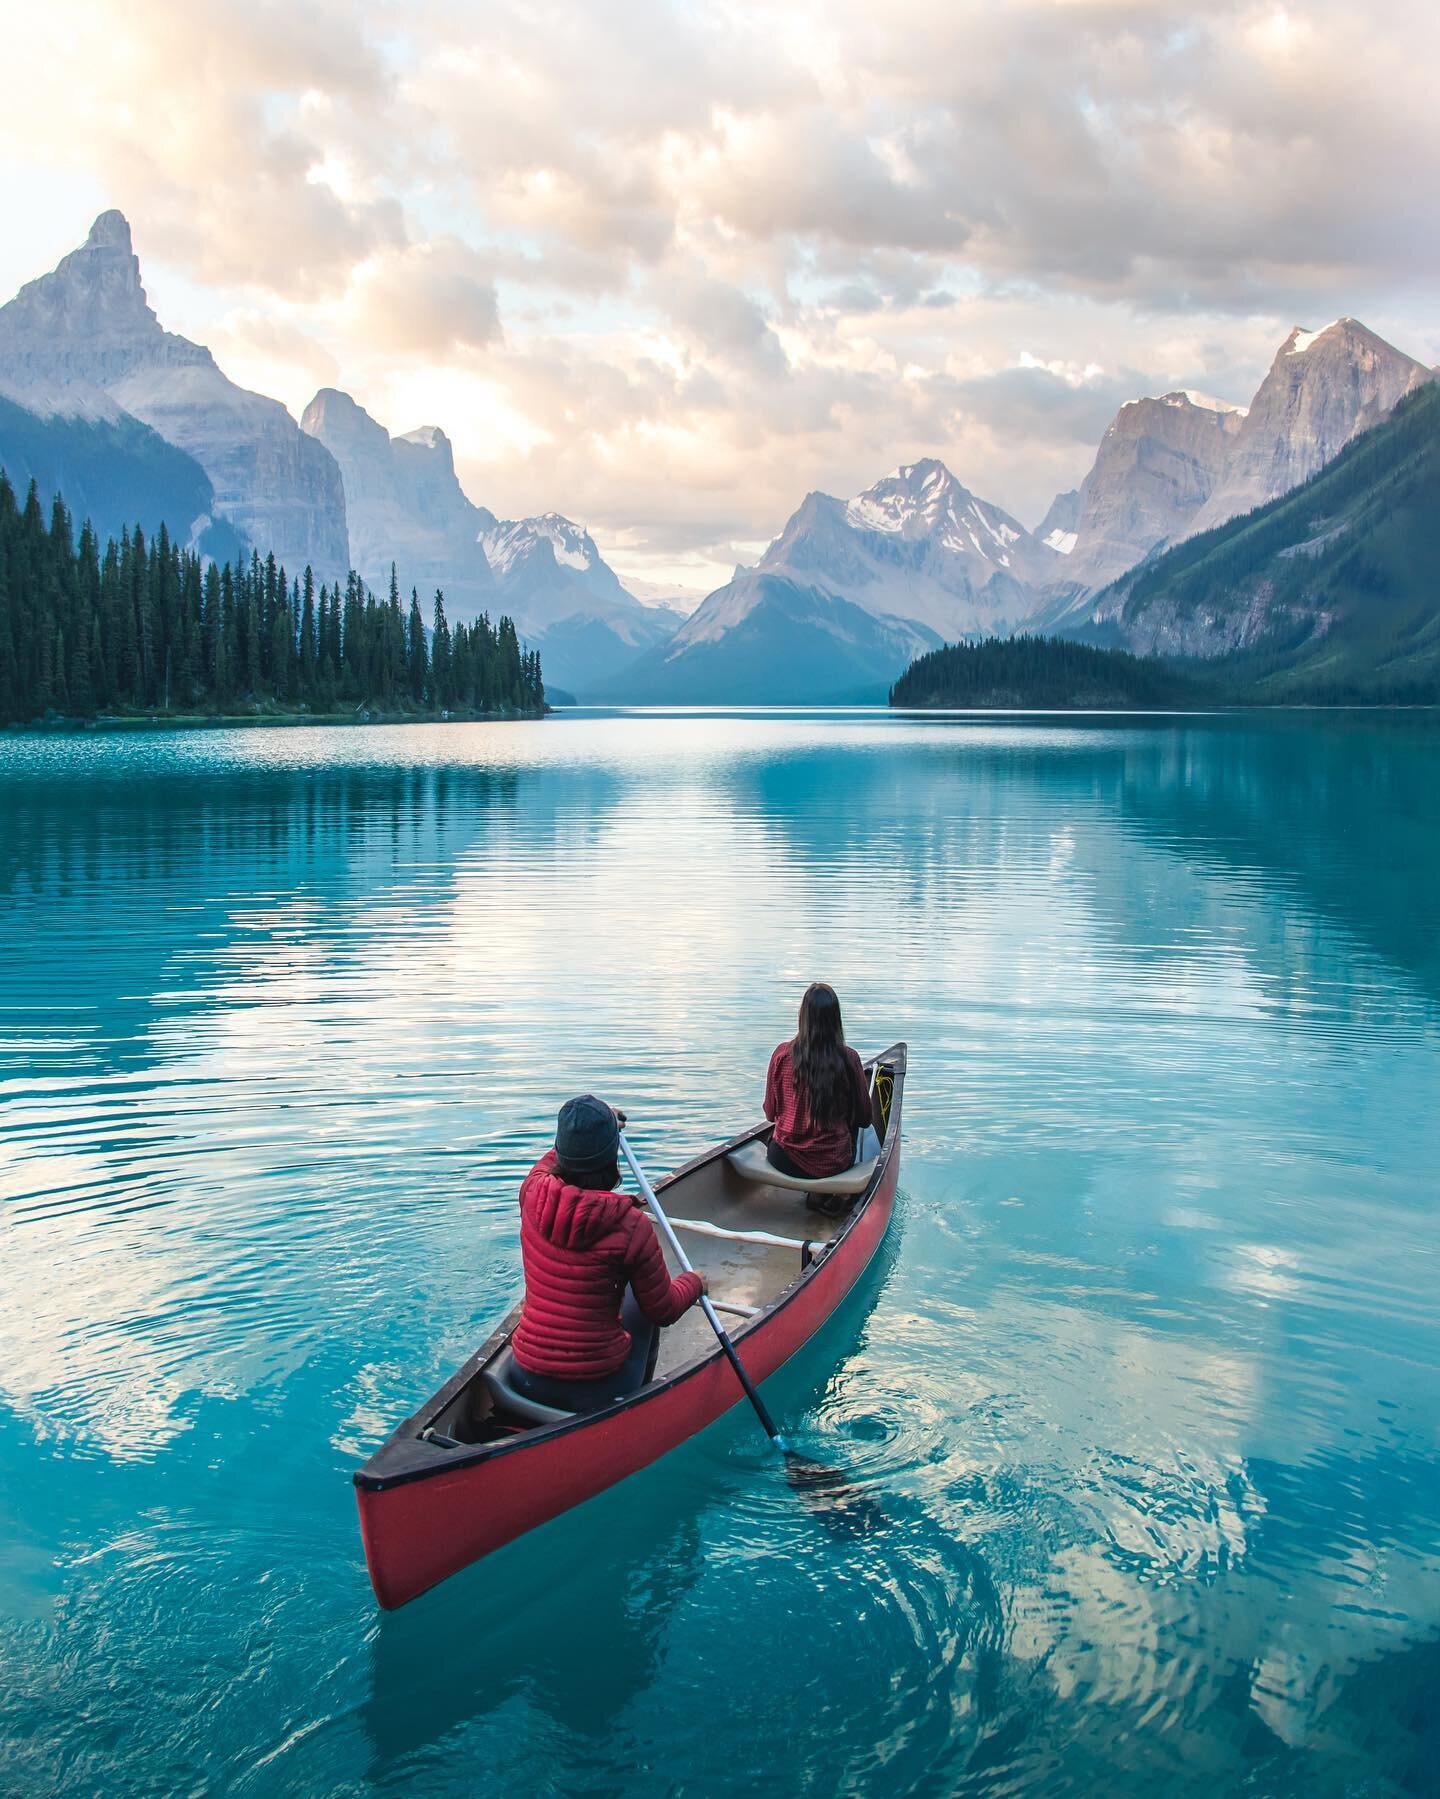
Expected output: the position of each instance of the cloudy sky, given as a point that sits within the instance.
(666, 266)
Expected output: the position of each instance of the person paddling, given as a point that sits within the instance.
(816, 1093)
(596, 1287)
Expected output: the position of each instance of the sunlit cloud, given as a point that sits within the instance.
(700, 259)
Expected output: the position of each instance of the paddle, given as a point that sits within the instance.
(711, 1317)
(804, 1473)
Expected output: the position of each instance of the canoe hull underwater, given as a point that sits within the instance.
(428, 1510)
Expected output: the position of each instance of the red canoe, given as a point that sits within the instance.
(479, 1464)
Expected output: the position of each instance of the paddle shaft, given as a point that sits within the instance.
(677, 1250)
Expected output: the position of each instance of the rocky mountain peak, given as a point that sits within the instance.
(923, 500)
(83, 341)
(916, 493)
(1322, 388)
(1300, 340)
(1059, 528)
(1160, 459)
(111, 231)
(94, 293)
(431, 443)
(1190, 396)
(1343, 340)
(428, 437)
(334, 415)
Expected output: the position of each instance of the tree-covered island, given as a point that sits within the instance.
(1015, 673)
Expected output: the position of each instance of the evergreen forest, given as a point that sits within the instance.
(1047, 672)
(142, 626)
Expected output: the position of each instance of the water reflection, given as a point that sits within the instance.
(573, 1635)
(1144, 1395)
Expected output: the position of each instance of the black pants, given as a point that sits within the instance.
(590, 1395)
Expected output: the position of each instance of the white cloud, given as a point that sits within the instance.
(434, 300)
(699, 258)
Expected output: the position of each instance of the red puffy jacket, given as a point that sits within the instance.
(581, 1248)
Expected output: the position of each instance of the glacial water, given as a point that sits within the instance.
(1145, 1386)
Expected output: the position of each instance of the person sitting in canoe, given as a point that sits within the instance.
(816, 1094)
(596, 1286)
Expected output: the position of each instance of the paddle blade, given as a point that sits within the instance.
(832, 1497)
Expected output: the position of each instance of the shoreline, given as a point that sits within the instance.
(225, 721)
(1214, 709)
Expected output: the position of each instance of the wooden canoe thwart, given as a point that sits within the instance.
(478, 1466)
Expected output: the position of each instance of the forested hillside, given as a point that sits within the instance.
(141, 625)
(1017, 672)
(1330, 593)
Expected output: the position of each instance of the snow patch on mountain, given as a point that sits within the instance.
(1062, 542)
(1206, 402)
(1300, 341)
(867, 515)
(571, 545)
(922, 501)
(64, 400)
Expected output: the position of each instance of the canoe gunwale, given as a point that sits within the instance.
(404, 1459)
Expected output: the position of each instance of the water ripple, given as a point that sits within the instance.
(1135, 1417)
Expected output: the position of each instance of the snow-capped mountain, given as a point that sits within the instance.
(850, 591)
(83, 342)
(918, 547)
(405, 506)
(547, 557)
(568, 602)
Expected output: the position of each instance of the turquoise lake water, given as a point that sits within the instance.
(1145, 1385)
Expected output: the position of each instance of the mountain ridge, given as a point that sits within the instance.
(94, 385)
(405, 504)
(912, 557)
(1325, 591)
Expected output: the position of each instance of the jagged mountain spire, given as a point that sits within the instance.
(93, 295)
(84, 341)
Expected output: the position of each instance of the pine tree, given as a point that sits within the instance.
(440, 656)
(416, 659)
(307, 636)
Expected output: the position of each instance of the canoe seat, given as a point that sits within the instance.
(497, 1378)
(751, 1164)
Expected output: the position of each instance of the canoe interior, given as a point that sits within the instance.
(739, 1274)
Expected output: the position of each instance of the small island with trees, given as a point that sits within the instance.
(142, 629)
(1017, 673)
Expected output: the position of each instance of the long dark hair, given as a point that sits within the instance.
(818, 1057)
